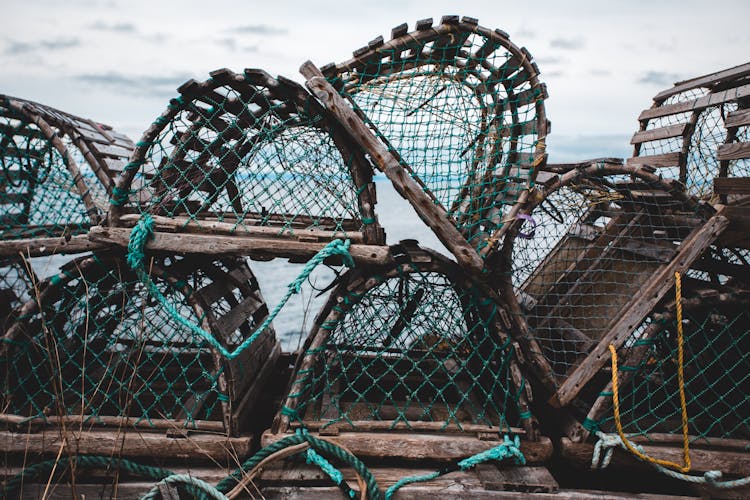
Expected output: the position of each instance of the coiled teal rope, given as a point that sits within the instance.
(196, 486)
(321, 447)
(510, 448)
(144, 230)
(81, 462)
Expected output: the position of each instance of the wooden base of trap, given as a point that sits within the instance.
(422, 445)
(302, 481)
(731, 457)
(129, 444)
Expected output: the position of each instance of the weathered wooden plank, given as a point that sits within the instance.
(705, 81)
(697, 104)
(36, 247)
(110, 150)
(404, 184)
(658, 161)
(735, 151)
(94, 421)
(524, 479)
(423, 446)
(127, 444)
(737, 118)
(417, 426)
(255, 247)
(677, 130)
(652, 292)
(729, 462)
(732, 185)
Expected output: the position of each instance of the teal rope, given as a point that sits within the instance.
(321, 447)
(510, 448)
(81, 462)
(144, 230)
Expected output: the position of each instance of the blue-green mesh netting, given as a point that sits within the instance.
(250, 151)
(101, 346)
(413, 344)
(462, 107)
(38, 196)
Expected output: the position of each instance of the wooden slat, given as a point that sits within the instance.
(240, 313)
(235, 245)
(422, 446)
(732, 185)
(128, 444)
(110, 150)
(736, 151)
(525, 479)
(677, 130)
(658, 161)
(705, 81)
(737, 118)
(651, 293)
(696, 104)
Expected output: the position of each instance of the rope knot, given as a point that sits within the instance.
(139, 236)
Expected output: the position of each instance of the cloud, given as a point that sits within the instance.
(137, 85)
(563, 149)
(600, 72)
(525, 32)
(15, 47)
(549, 60)
(567, 43)
(258, 29)
(115, 28)
(660, 78)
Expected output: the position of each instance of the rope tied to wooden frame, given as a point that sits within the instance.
(510, 448)
(144, 231)
(681, 383)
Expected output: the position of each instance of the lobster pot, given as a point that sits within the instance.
(245, 154)
(17, 281)
(414, 346)
(56, 176)
(462, 108)
(591, 258)
(98, 347)
(697, 131)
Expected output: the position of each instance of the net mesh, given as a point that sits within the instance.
(247, 150)
(412, 343)
(461, 107)
(99, 346)
(586, 251)
(716, 367)
(17, 281)
(38, 195)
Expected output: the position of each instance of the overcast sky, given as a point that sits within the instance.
(119, 62)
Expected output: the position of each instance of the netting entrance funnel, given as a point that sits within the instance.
(698, 132)
(591, 257)
(248, 155)
(56, 177)
(462, 109)
(415, 346)
(94, 348)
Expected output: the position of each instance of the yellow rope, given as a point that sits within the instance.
(681, 383)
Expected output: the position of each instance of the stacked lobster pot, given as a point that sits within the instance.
(631, 283)
(158, 342)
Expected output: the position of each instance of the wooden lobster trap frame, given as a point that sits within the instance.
(58, 172)
(411, 361)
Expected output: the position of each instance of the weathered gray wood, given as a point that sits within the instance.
(242, 410)
(415, 445)
(732, 185)
(705, 81)
(652, 292)
(658, 161)
(35, 247)
(91, 422)
(404, 184)
(677, 130)
(735, 151)
(699, 104)
(737, 118)
(729, 462)
(525, 479)
(127, 444)
(418, 426)
(234, 245)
